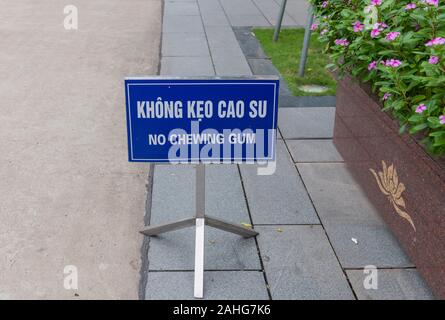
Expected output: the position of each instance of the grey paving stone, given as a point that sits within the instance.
(346, 213)
(290, 101)
(228, 65)
(313, 151)
(376, 245)
(248, 20)
(187, 24)
(185, 45)
(298, 10)
(270, 10)
(175, 8)
(223, 251)
(187, 66)
(222, 37)
(279, 198)
(215, 19)
(222, 43)
(297, 123)
(173, 195)
(218, 285)
(212, 13)
(300, 264)
(249, 44)
(173, 199)
(236, 7)
(265, 67)
(393, 284)
(210, 6)
(230, 50)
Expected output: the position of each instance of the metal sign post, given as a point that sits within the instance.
(279, 20)
(307, 34)
(163, 111)
(307, 39)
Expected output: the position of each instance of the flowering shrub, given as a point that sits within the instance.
(399, 47)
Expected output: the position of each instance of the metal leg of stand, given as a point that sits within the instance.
(200, 220)
(230, 227)
(279, 20)
(155, 230)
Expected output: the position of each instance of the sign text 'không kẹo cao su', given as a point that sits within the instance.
(209, 120)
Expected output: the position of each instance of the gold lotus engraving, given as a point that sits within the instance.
(388, 182)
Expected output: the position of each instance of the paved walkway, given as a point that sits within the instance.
(198, 38)
(68, 195)
(307, 213)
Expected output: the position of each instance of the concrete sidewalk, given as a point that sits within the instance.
(68, 194)
(198, 38)
(308, 213)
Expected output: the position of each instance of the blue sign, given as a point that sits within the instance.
(201, 120)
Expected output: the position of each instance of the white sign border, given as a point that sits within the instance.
(271, 158)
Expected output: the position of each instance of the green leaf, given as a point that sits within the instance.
(437, 134)
(415, 118)
(439, 142)
(418, 128)
(433, 122)
(402, 128)
(387, 89)
(418, 98)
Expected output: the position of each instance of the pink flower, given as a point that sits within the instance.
(314, 26)
(368, 9)
(386, 96)
(442, 119)
(420, 108)
(358, 26)
(379, 25)
(410, 6)
(393, 35)
(372, 65)
(376, 2)
(432, 2)
(435, 42)
(342, 42)
(393, 63)
(377, 28)
(324, 31)
(433, 60)
(324, 4)
(375, 33)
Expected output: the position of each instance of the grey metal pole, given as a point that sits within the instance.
(279, 20)
(307, 38)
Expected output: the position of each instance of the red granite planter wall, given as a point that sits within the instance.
(406, 185)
